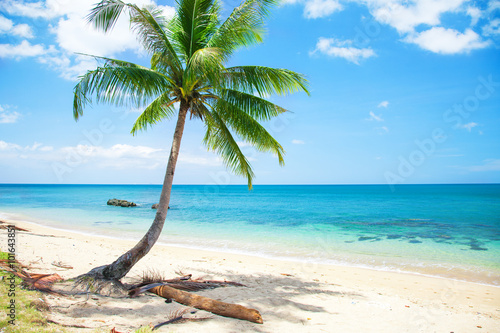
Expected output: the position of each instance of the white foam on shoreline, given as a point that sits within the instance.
(377, 264)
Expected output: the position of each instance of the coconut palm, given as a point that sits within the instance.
(188, 77)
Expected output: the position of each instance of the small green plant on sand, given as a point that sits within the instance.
(30, 307)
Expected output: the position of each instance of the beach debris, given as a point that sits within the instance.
(121, 203)
(113, 330)
(41, 282)
(180, 316)
(67, 325)
(200, 302)
(5, 225)
(61, 265)
(184, 282)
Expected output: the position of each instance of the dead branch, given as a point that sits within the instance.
(202, 303)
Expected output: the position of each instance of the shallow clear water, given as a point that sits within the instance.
(446, 230)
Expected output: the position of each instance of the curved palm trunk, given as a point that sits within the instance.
(121, 266)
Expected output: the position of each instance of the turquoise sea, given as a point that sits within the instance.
(441, 230)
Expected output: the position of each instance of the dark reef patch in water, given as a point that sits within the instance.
(394, 236)
(365, 238)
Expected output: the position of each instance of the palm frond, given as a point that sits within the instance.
(119, 85)
(219, 139)
(105, 14)
(258, 108)
(244, 27)
(249, 129)
(195, 23)
(150, 27)
(161, 108)
(265, 80)
(205, 65)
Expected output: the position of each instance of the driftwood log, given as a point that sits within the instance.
(200, 302)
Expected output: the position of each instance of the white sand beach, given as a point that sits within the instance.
(291, 296)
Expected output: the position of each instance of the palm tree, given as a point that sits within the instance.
(188, 76)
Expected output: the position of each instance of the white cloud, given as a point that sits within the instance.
(492, 28)
(321, 8)
(5, 24)
(8, 27)
(243, 144)
(488, 165)
(336, 48)
(298, 142)
(447, 41)
(25, 49)
(37, 146)
(23, 30)
(406, 16)
(409, 18)
(6, 146)
(8, 117)
(374, 117)
(475, 14)
(383, 104)
(493, 5)
(120, 156)
(468, 126)
(72, 33)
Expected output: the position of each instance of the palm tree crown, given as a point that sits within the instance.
(188, 57)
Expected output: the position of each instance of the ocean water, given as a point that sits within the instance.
(441, 230)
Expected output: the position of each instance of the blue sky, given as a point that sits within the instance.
(402, 92)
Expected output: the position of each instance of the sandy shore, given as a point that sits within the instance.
(291, 296)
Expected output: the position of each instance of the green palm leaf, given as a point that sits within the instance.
(265, 81)
(258, 108)
(118, 85)
(161, 108)
(244, 27)
(249, 129)
(219, 138)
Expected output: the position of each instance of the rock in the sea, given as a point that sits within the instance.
(155, 206)
(121, 203)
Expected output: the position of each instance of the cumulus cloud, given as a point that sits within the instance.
(383, 104)
(119, 156)
(343, 49)
(492, 28)
(409, 18)
(5, 24)
(405, 16)
(321, 8)
(448, 41)
(37, 146)
(6, 146)
(24, 49)
(475, 14)
(72, 34)
(8, 117)
(298, 142)
(21, 30)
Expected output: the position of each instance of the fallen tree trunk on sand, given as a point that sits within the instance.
(200, 302)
